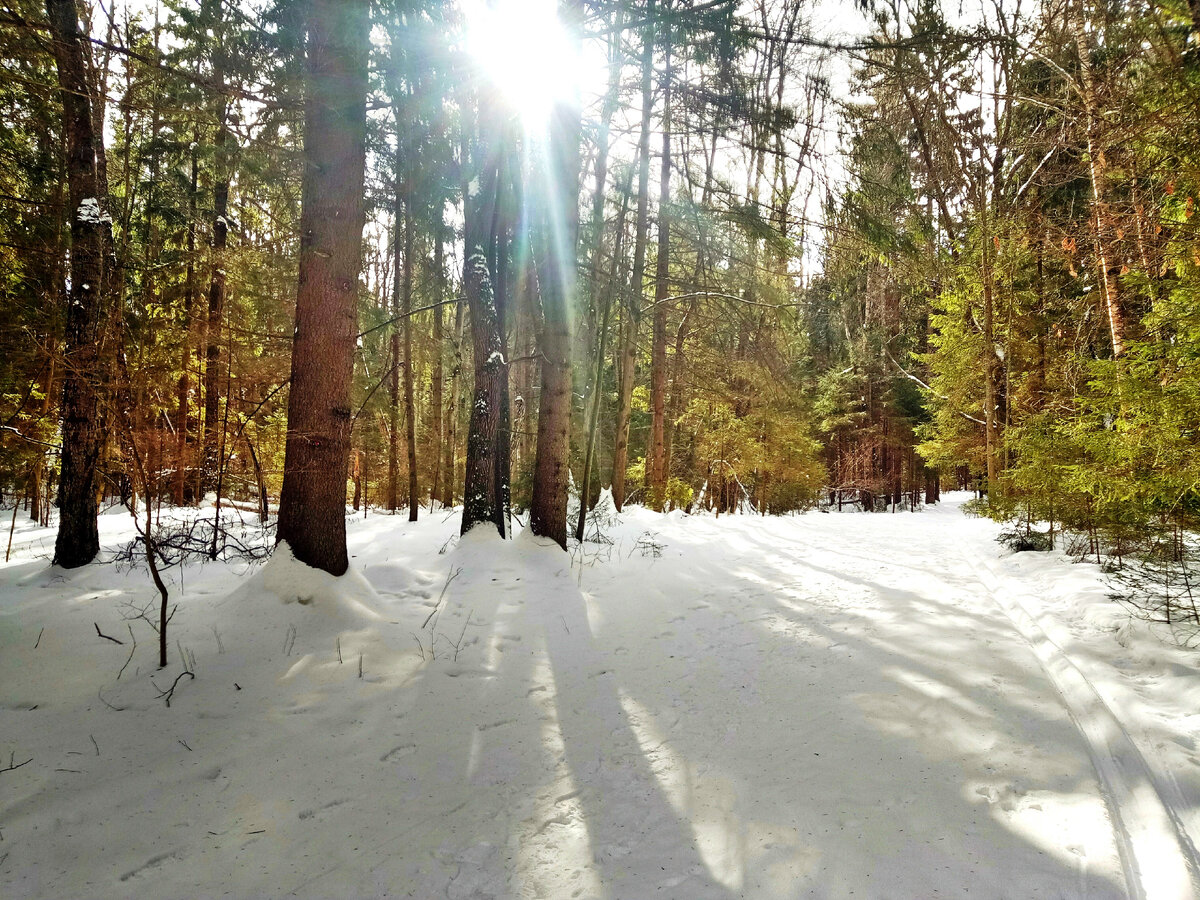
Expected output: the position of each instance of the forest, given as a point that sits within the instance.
(519, 448)
(296, 256)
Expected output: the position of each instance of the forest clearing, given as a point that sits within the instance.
(824, 705)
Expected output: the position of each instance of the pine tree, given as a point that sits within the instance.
(312, 506)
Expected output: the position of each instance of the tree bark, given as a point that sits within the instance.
(183, 389)
(84, 384)
(1098, 173)
(658, 474)
(439, 354)
(557, 265)
(312, 506)
(216, 288)
(393, 485)
(449, 449)
(410, 407)
(487, 468)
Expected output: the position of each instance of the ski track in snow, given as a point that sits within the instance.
(1157, 854)
(817, 706)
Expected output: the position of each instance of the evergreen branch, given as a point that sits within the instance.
(912, 377)
(9, 429)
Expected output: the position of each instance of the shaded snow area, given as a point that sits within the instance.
(819, 706)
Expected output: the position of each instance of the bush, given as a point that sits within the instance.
(1026, 541)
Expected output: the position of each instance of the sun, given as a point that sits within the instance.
(522, 48)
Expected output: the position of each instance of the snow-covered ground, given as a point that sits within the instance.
(815, 706)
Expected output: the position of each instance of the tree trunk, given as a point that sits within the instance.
(633, 306)
(448, 450)
(216, 289)
(439, 353)
(487, 468)
(556, 266)
(991, 435)
(356, 462)
(410, 407)
(84, 384)
(312, 506)
(658, 474)
(183, 422)
(1102, 216)
(393, 485)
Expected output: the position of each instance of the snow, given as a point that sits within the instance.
(89, 212)
(809, 706)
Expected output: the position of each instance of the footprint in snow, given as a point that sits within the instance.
(319, 813)
(489, 726)
(396, 753)
(154, 862)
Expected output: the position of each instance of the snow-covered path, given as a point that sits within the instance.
(816, 706)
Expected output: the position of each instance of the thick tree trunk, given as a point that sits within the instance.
(312, 506)
(633, 305)
(557, 265)
(486, 486)
(216, 301)
(84, 384)
(657, 469)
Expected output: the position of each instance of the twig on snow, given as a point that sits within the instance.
(105, 636)
(170, 692)
(11, 766)
(131, 652)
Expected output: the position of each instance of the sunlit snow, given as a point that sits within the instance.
(827, 705)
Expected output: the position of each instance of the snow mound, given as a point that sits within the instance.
(295, 582)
